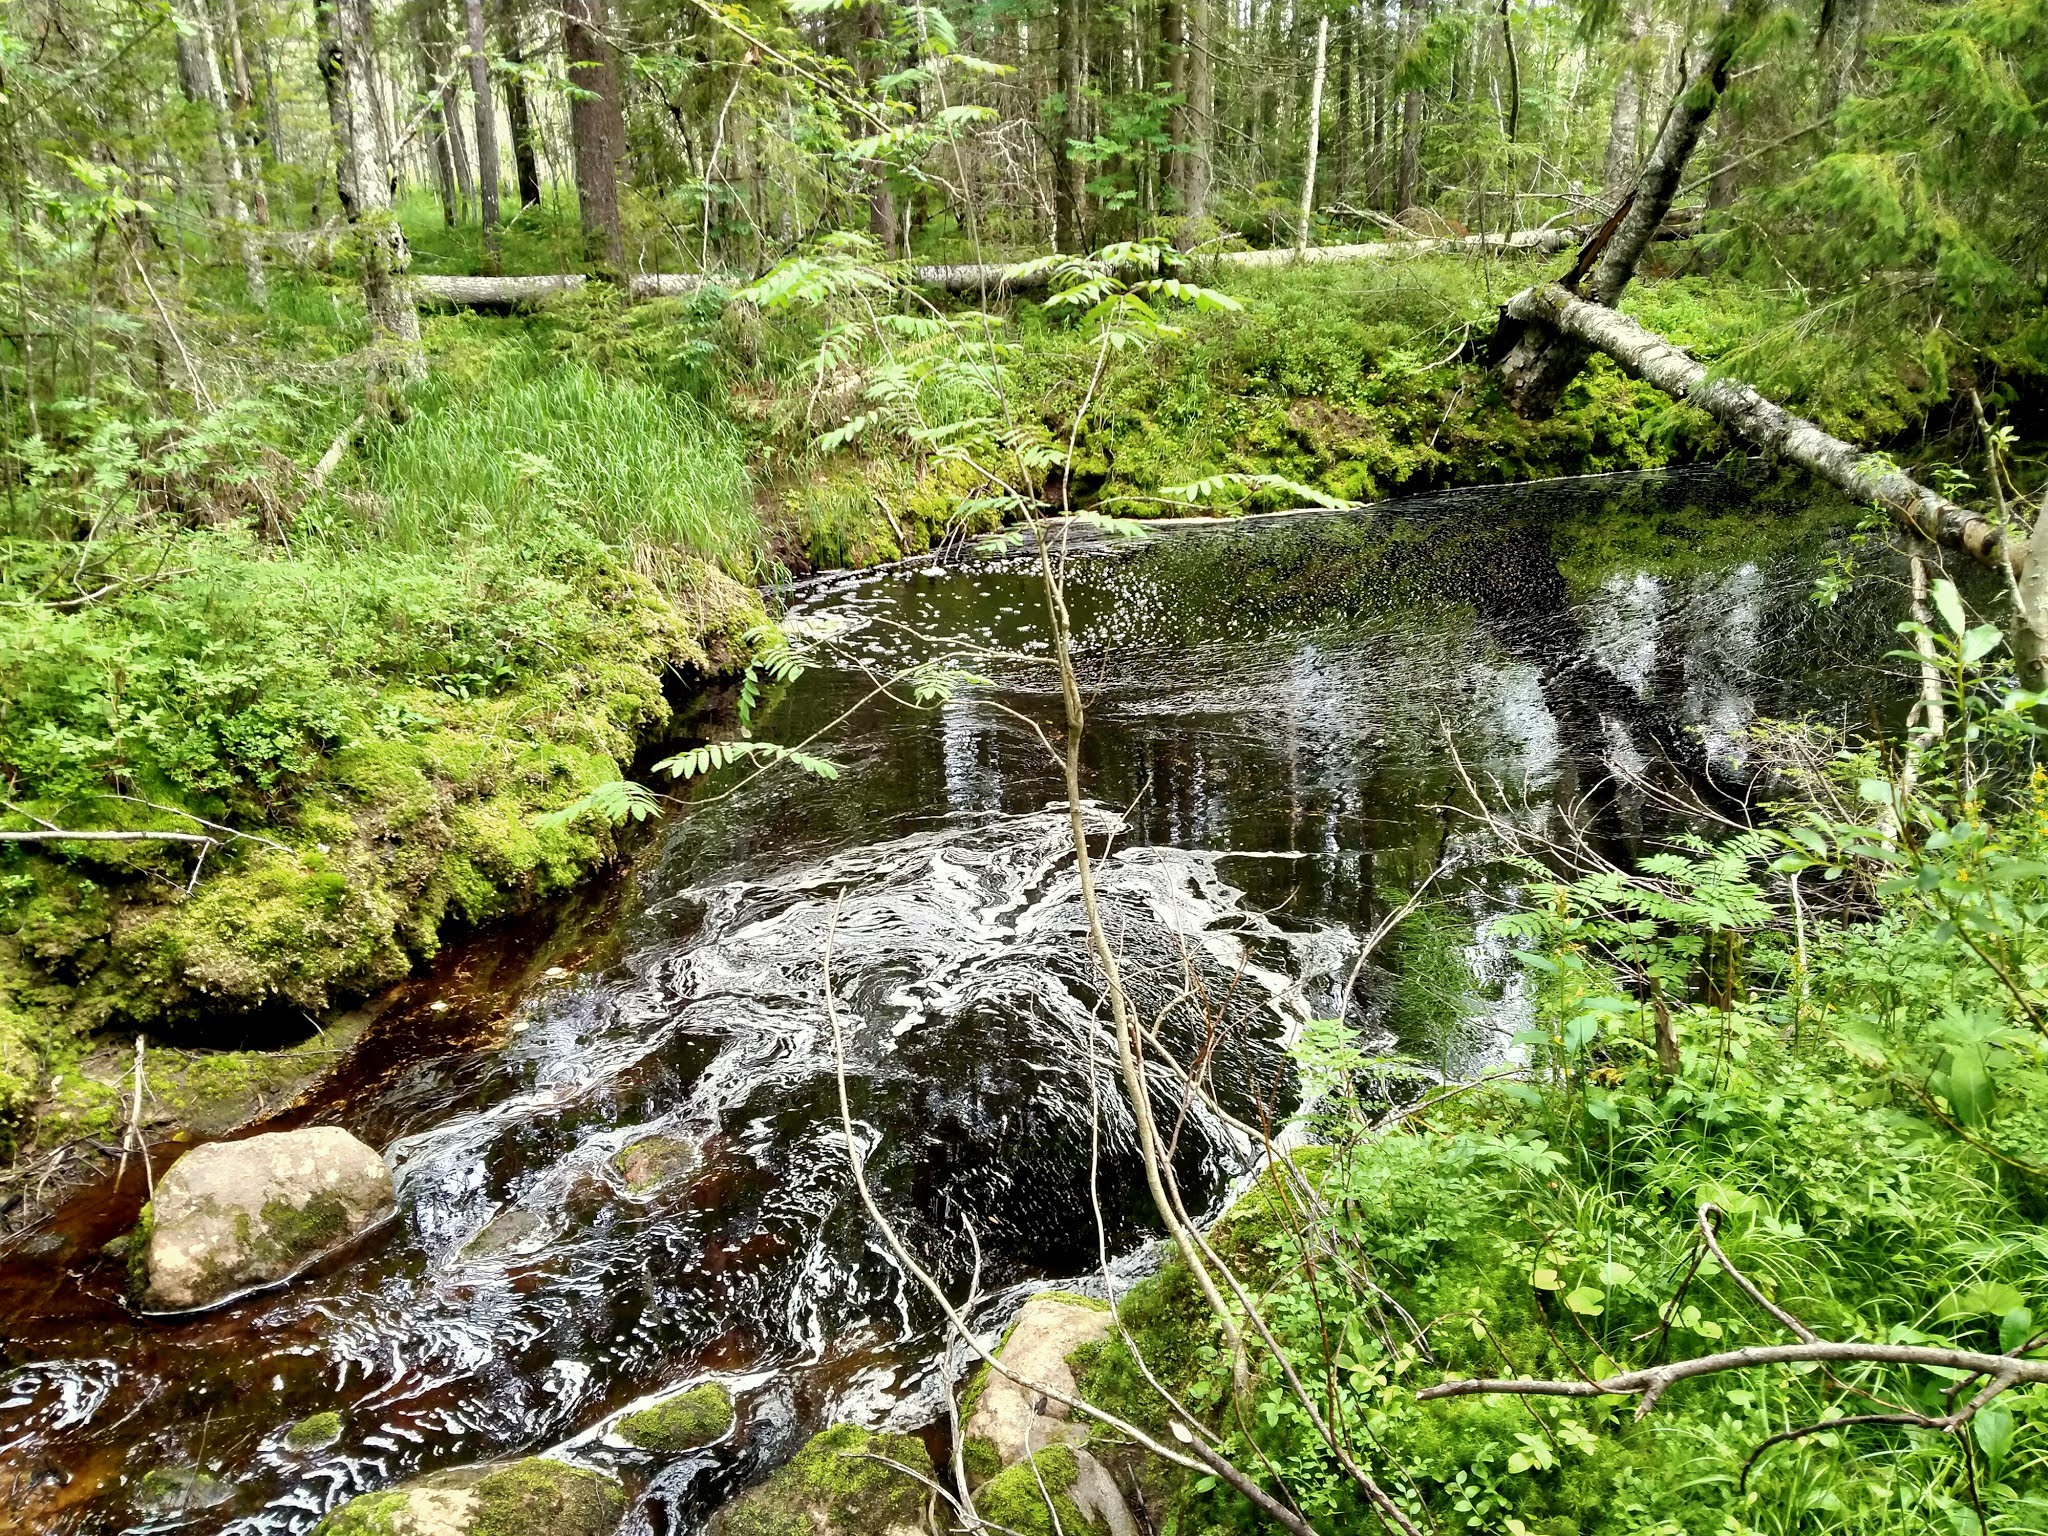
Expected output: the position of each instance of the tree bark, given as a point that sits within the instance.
(486, 133)
(1543, 363)
(1620, 168)
(1199, 19)
(1762, 423)
(1067, 172)
(1408, 172)
(1173, 71)
(363, 178)
(596, 129)
(1315, 133)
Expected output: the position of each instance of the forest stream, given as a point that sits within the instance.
(1270, 754)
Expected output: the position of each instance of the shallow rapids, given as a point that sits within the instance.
(1272, 716)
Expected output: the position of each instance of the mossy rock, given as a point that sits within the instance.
(534, 1497)
(832, 1488)
(683, 1422)
(315, 1432)
(170, 1491)
(1016, 1497)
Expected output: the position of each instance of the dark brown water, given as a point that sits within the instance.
(1270, 709)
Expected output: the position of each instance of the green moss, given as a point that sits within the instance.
(369, 1514)
(137, 1257)
(1016, 1497)
(681, 1423)
(294, 1231)
(538, 1494)
(981, 1458)
(315, 1432)
(521, 1498)
(832, 1487)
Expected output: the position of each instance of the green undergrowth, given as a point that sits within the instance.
(1857, 1109)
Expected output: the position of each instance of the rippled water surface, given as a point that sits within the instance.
(1272, 716)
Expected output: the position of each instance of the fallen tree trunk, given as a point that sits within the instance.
(1740, 408)
(994, 277)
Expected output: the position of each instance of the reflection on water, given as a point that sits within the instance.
(1269, 716)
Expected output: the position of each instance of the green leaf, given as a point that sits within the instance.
(1981, 642)
(1965, 1081)
(2015, 1328)
(1545, 1279)
(1992, 1429)
(1586, 1301)
(1949, 603)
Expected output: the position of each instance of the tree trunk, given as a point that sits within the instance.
(1542, 364)
(1347, 106)
(994, 277)
(1173, 70)
(1620, 169)
(1199, 20)
(1726, 180)
(439, 156)
(1067, 172)
(1743, 411)
(596, 129)
(244, 100)
(881, 196)
(519, 111)
(1507, 38)
(1408, 173)
(486, 133)
(365, 186)
(1315, 133)
(199, 69)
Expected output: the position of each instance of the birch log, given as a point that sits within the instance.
(994, 278)
(1742, 410)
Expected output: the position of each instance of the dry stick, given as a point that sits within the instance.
(191, 371)
(2005, 1371)
(59, 835)
(1198, 1462)
(1711, 1213)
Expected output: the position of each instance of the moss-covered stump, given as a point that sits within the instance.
(234, 1214)
(534, 1497)
(653, 1161)
(684, 1422)
(834, 1488)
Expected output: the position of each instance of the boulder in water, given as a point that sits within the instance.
(834, 1488)
(653, 1161)
(534, 1497)
(684, 1422)
(233, 1214)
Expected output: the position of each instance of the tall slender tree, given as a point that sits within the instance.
(486, 133)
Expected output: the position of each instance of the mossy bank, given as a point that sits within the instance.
(403, 810)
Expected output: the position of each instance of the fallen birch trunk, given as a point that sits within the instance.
(994, 277)
(1740, 408)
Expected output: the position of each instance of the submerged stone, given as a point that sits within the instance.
(681, 1423)
(533, 1497)
(234, 1214)
(833, 1487)
(656, 1160)
(315, 1432)
(504, 1232)
(166, 1492)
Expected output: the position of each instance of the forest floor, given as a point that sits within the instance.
(500, 600)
